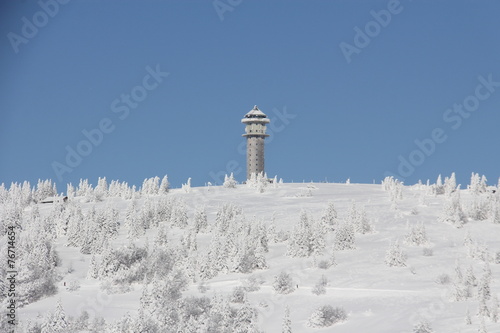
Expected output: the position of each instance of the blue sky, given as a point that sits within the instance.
(338, 114)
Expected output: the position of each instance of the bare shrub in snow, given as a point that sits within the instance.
(253, 283)
(427, 251)
(443, 279)
(74, 285)
(326, 315)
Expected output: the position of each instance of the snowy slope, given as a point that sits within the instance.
(376, 297)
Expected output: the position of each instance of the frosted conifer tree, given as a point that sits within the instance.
(133, 222)
(101, 190)
(262, 182)
(70, 191)
(275, 181)
(252, 181)
(470, 278)
(478, 208)
(494, 312)
(329, 217)
(299, 244)
(483, 310)
(450, 185)
(55, 322)
(93, 272)
(187, 187)
(317, 241)
(495, 211)
(179, 216)
(452, 212)
(200, 219)
(395, 256)
(344, 237)
(438, 188)
(483, 288)
(416, 235)
(477, 184)
(229, 182)
(286, 326)
(482, 326)
(164, 186)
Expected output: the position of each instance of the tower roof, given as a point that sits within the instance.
(255, 113)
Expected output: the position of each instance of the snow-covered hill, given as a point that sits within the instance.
(420, 256)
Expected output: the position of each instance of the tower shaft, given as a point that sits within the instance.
(255, 155)
(255, 132)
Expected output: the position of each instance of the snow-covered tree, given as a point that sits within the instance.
(165, 185)
(308, 236)
(286, 325)
(179, 215)
(329, 217)
(482, 326)
(495, 308)
(55, 322)
(452, 212)
(200, 219)
(358, 219)
(93, 272)
(283, 283)
(438, 188)
(450, 185)
(422, 327)
(238, 295)
(416, 235)
(483, 288)
(150, 186)
(320, 287)
(344, 237)
(101, 190)
(133, 222)
(478, 209)
(495, 210)
(395, 256)
(326, 316)
(477, 184)
(230, 182)
(187, 187)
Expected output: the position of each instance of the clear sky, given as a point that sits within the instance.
(160, 88)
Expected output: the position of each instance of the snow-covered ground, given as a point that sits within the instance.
(376, 297)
